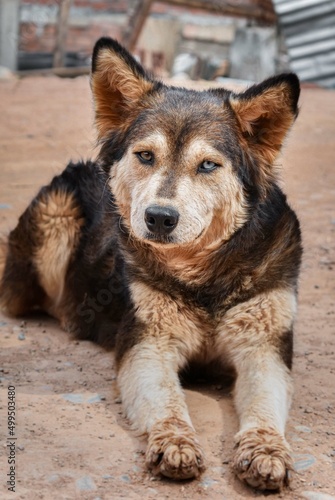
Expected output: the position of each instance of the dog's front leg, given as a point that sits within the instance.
(258, 341)
(150, 389)
(155, 404)
(262, 397)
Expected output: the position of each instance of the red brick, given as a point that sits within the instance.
(82, 38)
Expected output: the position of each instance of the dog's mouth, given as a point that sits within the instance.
(169, 240)
(160, 239)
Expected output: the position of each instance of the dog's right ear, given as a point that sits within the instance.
(118, 82)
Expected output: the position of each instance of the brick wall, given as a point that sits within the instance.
(89, 19)
(97, 5)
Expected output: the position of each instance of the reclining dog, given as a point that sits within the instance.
(175, 246)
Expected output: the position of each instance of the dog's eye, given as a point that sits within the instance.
(207, 166)
(145, 157)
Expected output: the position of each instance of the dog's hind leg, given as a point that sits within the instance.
(257, 337)
(39, 251)
(20, 290)
(59, 220)
(151, 349)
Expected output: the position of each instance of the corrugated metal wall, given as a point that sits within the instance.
(309, 30)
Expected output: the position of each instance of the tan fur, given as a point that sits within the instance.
(263, 458)
(148, 379)
(115, 88)
(247, 338)
(191, 263)
(129, 174)
(59, 220)
(252, 324)
(250, 110)
(264, 121)
(263, 390)
(176, 441)
(211, 207)
(172, 323)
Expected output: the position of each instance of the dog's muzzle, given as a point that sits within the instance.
(161, 220)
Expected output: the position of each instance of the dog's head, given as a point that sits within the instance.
(186, 166)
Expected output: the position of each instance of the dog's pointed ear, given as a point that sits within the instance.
(118, 82)
(265, 113)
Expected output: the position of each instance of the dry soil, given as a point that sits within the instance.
(72, 439)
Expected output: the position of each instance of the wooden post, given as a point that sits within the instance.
(62, 25)
(9, 33)
(135, 23)
(243, 8)
(261, 11)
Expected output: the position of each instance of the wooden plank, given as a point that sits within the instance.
(135, 24)
(263, 14)
(61, 72)
(63, 18)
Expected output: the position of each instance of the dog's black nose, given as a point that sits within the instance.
(161, 220)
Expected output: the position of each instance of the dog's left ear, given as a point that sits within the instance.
(265, 113)
(118, 82)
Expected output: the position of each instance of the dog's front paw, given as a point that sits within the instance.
(174, 451)
(262, 459)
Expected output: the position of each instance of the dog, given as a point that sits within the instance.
(176, 246)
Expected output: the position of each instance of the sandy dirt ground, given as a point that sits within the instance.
(72, 439)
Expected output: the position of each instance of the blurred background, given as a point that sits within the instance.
(186, 39)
